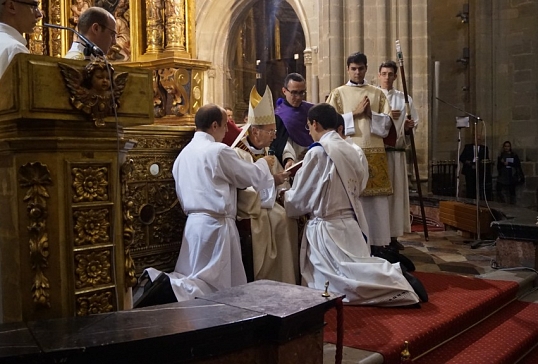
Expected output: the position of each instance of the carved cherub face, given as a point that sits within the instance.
(100, 80)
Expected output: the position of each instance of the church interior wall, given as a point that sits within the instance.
(499, 83)
(486, 63)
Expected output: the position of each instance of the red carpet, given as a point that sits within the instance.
(501, 338)
(454, 302)
(532, 358)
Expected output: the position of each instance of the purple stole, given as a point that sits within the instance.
(294, 119)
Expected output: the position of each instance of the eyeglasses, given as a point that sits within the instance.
(33, 5)
(307, 126)
(110, 30)
(270, 132)
(296, 93)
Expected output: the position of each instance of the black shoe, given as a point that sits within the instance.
(395, 244)
(417, 285)
(158, 292)
(393, 256)
(406, 262)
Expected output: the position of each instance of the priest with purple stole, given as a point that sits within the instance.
(292, 139)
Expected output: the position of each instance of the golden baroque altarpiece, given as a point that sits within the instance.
(122, 210)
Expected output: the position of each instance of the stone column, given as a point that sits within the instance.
(353, 16)
(332, 43)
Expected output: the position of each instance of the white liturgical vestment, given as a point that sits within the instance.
(334, 246)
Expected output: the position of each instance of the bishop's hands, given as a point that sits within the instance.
(289, 163)
(270, 159)
(280, 178)
(363, 109)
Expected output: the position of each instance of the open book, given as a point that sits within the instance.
(294, 168)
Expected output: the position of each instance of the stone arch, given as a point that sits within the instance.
(216, 23)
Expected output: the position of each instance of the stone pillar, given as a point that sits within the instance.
(332, 43)
(353, 15)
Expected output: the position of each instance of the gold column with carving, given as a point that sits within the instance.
(141, 223)
(63, 249)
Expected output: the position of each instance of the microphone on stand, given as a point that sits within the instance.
(95, 50)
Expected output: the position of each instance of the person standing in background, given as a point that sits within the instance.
(508, 165)
(395, 147)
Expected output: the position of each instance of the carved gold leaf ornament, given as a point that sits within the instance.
(128, 223)
(91, 227)
(174, 80)
(91, 91)
(93, 269)
(36, 176)
(97, 303)
(90, 184)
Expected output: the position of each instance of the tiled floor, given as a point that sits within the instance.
(447, 251)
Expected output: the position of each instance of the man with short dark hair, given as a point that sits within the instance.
(16, 17)
(366, 113)
(399, 201)
(334, 246)
(207, 175)
(99, 27)
(292, 139)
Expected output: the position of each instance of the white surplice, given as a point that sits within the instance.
(275, 245)
(207, 176)
(334, 247)
(399, 201)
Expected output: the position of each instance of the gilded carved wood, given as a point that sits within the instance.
(175, 25)
(90, 89)
(177, 92)
(36, 177)
(157, 221)
(155, 26)
(128, 223)
(93, 248)
(95, 303)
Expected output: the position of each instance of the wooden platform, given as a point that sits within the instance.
(463, 216)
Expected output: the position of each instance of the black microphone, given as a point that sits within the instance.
(95, 50)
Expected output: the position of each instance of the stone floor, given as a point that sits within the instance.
(448, 251)
(445, 251)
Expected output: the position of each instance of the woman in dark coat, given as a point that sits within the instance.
(508, 164)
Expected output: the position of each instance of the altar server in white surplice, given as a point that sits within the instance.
(334, 246)
(207, 175)
(275, 243)
(399, 202)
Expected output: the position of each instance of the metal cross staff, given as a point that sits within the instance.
(399, 55)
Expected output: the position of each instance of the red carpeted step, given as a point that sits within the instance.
(501, 338)
(530, 358)
(455, 302)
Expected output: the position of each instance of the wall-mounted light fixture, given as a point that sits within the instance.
(464, 14)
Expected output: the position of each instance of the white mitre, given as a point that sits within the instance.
(261, 109)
